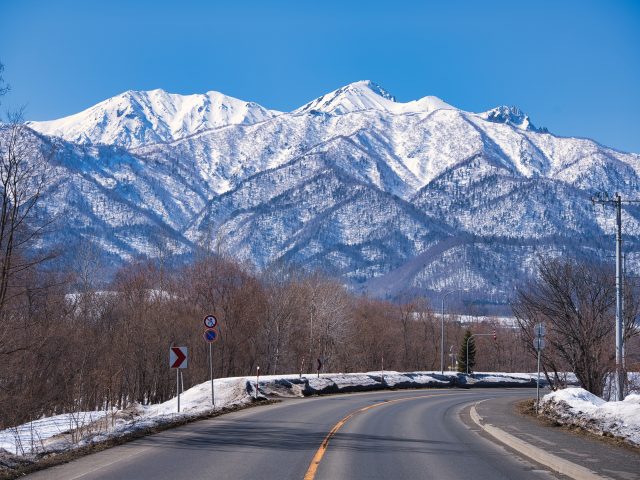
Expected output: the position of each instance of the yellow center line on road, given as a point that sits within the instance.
(315, 463)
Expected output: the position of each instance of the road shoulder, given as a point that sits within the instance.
(570, 454)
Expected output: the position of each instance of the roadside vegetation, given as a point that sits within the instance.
(576, 302)
(87, 348)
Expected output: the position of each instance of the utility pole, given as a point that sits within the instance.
(620, 372)
(451, 356)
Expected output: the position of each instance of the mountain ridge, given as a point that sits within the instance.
(152, 108)
(391, 200)
(134, 118)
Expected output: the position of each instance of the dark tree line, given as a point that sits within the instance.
(93, 348)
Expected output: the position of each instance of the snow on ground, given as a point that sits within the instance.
(64, 432)
(29, 436)
(576, 406)
(67, 431)
(296, 386)
(473, 319)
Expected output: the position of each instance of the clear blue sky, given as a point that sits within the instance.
(574, 66)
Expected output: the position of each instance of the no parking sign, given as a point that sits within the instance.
(211, 335)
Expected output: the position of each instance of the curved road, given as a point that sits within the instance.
(405, 434)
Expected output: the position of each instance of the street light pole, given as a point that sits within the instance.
(451, 356)
(442, 327)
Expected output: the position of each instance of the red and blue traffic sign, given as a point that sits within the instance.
(211, 335)
(178, 357)
(210, 321)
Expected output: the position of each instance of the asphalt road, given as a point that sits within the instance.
(389, 435)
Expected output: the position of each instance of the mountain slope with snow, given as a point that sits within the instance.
(394, 197)
(366, 95)
(135, 118)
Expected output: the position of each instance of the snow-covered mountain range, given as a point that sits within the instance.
(394, 197)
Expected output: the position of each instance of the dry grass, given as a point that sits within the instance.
(53, 459)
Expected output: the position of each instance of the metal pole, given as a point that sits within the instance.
(178, 386)
(619, 327)
(468, 353)
(442, 326)
(442, 336)
(311, 338)
(213, 398)
(451, 356)
(624, 273)
(538, 382)
(257, 380)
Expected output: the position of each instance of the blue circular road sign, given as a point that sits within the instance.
(211, 335)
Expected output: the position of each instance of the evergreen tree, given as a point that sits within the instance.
(462, 353)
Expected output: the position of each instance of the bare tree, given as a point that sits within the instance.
(4, 88)
(576, 302)
(23, 157)
(282, 304)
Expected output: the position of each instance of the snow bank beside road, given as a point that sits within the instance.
(30, 436)
(576, 406)
(296, 386)
(69, 431)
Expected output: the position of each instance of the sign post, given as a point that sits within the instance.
(538, 343)
(257, 380)
(178, 358)
(213, 393)
(211, 335)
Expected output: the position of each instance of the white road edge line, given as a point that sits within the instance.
(560, 465)
(104, 465)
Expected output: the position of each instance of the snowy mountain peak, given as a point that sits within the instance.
(511, 115)
(374, 87)
(392, 198)
(134, 118)
(367, 95)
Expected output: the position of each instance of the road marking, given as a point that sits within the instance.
(535, 437)
(315, 462)
(109, 462)
(560, 465)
